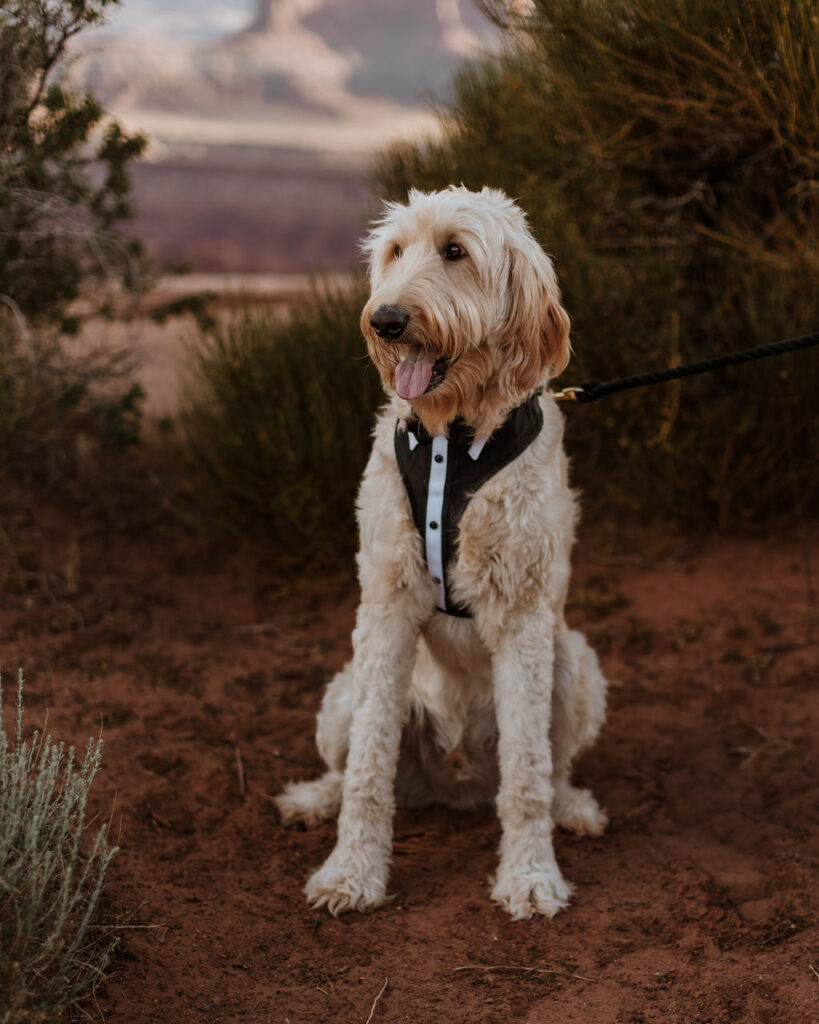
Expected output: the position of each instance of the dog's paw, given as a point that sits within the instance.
(340, 885)
(527, 893)
(311, 803)
(579, 812)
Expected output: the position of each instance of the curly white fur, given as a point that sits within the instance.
(434, 708)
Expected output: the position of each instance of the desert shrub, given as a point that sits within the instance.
(667, 155)
(52, 951)
(52, 407)
(64, 184)
(64, 189)
(275, 432)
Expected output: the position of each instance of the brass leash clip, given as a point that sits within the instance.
(567, 394)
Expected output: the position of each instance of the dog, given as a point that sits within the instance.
(466, 685)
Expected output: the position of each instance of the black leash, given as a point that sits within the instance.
(591, 390)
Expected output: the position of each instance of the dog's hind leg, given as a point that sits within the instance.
(578, 711)
(320, 800)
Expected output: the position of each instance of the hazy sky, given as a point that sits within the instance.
(180, 19)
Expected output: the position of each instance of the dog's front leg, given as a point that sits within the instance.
(354, 876)
(528, 880)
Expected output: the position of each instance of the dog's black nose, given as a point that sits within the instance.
(389, 322)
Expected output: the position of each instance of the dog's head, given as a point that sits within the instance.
(464, 318)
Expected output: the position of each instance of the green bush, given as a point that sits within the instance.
(64, 184)
(667, 154)
(275, 433)
(64, 189)
(52, 953)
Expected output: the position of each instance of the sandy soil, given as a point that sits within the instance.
(698, 905)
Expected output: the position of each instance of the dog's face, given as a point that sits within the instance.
(464, 317)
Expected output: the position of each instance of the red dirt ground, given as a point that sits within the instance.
(698, 905)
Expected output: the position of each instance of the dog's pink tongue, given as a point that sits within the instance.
(412, 376)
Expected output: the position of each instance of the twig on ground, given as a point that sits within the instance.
(375, 1001)
(113, 802)
(749, 753)
(123, 927)
(814, 970)
(240, 769)
(94, 997)
(528, 970)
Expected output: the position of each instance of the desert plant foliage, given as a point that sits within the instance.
(275, 434)
(64, 190)
(52, 953)
(57, 219)
(667, 154)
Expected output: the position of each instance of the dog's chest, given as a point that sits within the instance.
(441, 474)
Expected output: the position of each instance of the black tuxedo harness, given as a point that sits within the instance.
(442, 473)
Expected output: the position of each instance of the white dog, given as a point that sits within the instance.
(465, 683)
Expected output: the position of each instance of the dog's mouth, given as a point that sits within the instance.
(419, 372)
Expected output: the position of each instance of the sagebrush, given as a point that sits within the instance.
(52, 951)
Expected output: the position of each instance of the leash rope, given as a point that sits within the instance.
(591, 390)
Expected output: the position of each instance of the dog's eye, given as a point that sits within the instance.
(396, 252)
(453, 251)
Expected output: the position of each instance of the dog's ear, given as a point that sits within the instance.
(535, 338)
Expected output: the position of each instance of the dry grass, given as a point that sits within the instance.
(275, 432)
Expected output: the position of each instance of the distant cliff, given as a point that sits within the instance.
(317, 74)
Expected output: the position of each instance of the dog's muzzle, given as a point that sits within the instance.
(419, 369)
